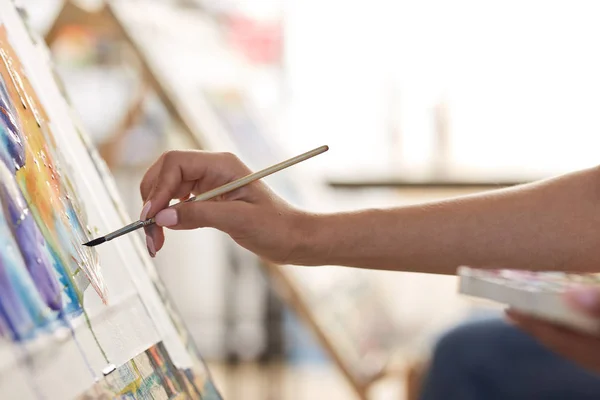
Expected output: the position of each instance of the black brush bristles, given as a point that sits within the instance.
(95, 242)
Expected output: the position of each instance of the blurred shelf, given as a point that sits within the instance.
(399, 183)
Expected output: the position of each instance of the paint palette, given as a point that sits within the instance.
(539, 294)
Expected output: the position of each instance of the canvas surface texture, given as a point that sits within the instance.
(75, 322)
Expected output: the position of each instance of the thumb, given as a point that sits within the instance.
(585, 299)
(222, 215)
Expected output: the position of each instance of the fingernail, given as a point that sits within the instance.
(587, 298)
(166, 217)
(150, 245)
(145, 211)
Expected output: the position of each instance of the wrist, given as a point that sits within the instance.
(310, 240)
(344, 238)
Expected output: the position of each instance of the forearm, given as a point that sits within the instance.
(549, 225)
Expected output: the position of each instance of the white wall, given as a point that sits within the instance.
(520, 77)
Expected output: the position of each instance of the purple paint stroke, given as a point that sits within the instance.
(30, 241)
(12, 311)
(20, 303)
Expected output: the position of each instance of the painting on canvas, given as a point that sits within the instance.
(75, 322)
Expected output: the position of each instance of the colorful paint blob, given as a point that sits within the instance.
(44, 270)
(29, 148)
(31, 243)
(21, 306)
(12, 151)
(152, 375)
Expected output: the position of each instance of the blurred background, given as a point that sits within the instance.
(417, 101)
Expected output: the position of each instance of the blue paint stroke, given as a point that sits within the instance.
(76, 276)
(86, 258)
(31, 243)
(21, 306)
(70, 297)
(83, 263)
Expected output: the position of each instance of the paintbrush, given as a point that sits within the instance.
(214, 193)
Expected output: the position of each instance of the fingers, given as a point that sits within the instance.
(155, 239)
(149, 181)
(155, 236)
(177, 174)
(180, 172)
(150, 178)
(580, 348)
(225, 216)
(557, 337)
(585, 299)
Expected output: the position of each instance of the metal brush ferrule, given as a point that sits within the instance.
(129, 228)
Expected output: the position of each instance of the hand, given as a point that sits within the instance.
(253, 215)
(581, 348)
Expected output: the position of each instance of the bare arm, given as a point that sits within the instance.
(548, 225)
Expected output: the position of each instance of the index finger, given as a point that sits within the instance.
(585, 299)
(581, 348)
(181, 167)
(149, 178)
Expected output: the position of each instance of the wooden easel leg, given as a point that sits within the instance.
(57, 24)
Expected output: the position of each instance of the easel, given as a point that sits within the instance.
(105, 18)
(361, 385)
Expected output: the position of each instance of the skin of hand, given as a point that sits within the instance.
(546, 225)
(253, 215)
(581, 348)
(549, 225)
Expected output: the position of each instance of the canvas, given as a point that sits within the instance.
(75, 322)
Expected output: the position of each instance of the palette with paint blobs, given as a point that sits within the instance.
(540, 294)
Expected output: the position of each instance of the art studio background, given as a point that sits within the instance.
(417, 100)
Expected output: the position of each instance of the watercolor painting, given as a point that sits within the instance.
(199, 372)
(152, 375)
(47, 189)
(46, 272)
(28, 283)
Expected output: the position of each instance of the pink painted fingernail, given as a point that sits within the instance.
(586, 298)
(150, 245)
(167, 217)
(145, 211)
